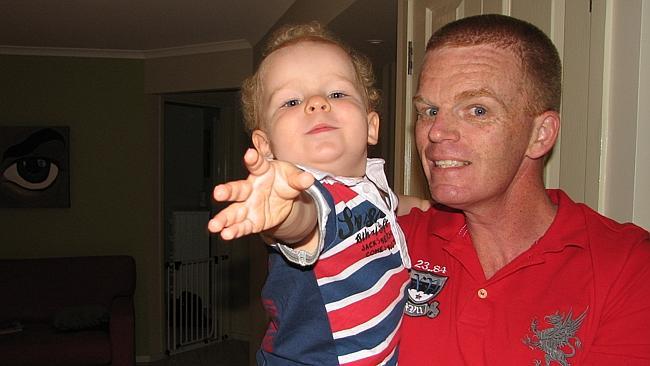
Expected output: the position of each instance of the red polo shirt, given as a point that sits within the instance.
(579, 296)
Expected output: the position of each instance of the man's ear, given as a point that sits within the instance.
(262, 143)
(546, 129)
(373, 128)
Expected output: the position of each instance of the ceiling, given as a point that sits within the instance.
(145, 25)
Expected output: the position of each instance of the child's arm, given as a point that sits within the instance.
(272, 200)
(406, 203)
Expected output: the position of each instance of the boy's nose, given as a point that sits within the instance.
(317, 103)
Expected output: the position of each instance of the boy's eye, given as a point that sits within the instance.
(292, 103)
(478, 111)
(337, 95)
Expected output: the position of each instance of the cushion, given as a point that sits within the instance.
(40, 344)
(76, 318)
(10, 326)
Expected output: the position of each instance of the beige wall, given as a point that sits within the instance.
(641, 211)
(112, 163)
(625, 172)
(115, 155)
(217, 70)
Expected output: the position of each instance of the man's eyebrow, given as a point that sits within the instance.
(420, 99)
(481, 92)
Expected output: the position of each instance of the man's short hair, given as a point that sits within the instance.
(289, 35)
(540, 61)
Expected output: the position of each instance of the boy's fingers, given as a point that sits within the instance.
(232, 191)
(221, 192)
(237, 231)
(255, 162)
(230, 216)
(215, 225)
(227, 234)
(301, 180)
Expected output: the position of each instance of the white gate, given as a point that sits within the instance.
(192, 299)
(192, 313)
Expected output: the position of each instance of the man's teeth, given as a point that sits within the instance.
(450, 163)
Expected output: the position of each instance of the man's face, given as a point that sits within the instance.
(472, 132)
(314, 112)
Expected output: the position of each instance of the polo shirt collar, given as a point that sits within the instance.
(567, 229)
(447, 223)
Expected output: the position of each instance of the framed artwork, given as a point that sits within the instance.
(35, 168)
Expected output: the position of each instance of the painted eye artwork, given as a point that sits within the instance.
(34, 170)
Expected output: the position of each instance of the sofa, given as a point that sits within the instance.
(67, 311)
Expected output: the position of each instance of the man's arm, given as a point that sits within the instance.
(623, 336)
(406, 203)
(272, 201)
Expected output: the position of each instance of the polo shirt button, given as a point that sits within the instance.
(482, 293)
(366, 189)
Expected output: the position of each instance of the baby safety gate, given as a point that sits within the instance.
(192, 287)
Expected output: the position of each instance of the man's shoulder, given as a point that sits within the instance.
(439, 220)
(598, 229)
(435, 211)
(601, 228)
(619, 253)
(612, 243)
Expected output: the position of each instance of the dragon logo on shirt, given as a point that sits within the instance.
(559, 342)
(424, 287)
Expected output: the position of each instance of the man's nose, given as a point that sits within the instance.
(444, 128)
(317, 103)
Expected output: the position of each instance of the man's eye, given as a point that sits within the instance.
(429, 112)
(337, 95)
(478, 111)
(292, 103)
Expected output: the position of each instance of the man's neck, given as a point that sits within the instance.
(501, 232)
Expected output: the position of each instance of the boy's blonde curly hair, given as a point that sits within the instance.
(291, 34)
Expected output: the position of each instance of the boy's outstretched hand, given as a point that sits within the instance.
(264, 201)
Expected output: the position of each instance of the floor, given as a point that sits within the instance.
(225, 353)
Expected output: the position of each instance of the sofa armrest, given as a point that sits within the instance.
(122, 331)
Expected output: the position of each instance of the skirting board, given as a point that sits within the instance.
(149, 358)
(239, 336)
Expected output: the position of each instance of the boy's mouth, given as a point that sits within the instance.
(321, 127)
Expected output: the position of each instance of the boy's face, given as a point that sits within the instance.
(313, 112)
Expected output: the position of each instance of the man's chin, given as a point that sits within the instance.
(450, 195)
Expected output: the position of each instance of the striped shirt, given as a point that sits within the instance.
(346, 308)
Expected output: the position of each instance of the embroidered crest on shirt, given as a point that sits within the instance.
(559, 341)
(423, 289)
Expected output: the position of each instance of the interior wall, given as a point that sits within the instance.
(641, 211)
(301, 11)
(210, 71)
(625, 164)
(112, 165)
(114, 117)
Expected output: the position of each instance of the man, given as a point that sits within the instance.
(504, 271)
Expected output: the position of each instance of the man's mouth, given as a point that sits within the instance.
(450, 163)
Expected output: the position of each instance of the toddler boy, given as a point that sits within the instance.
(335, 291)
